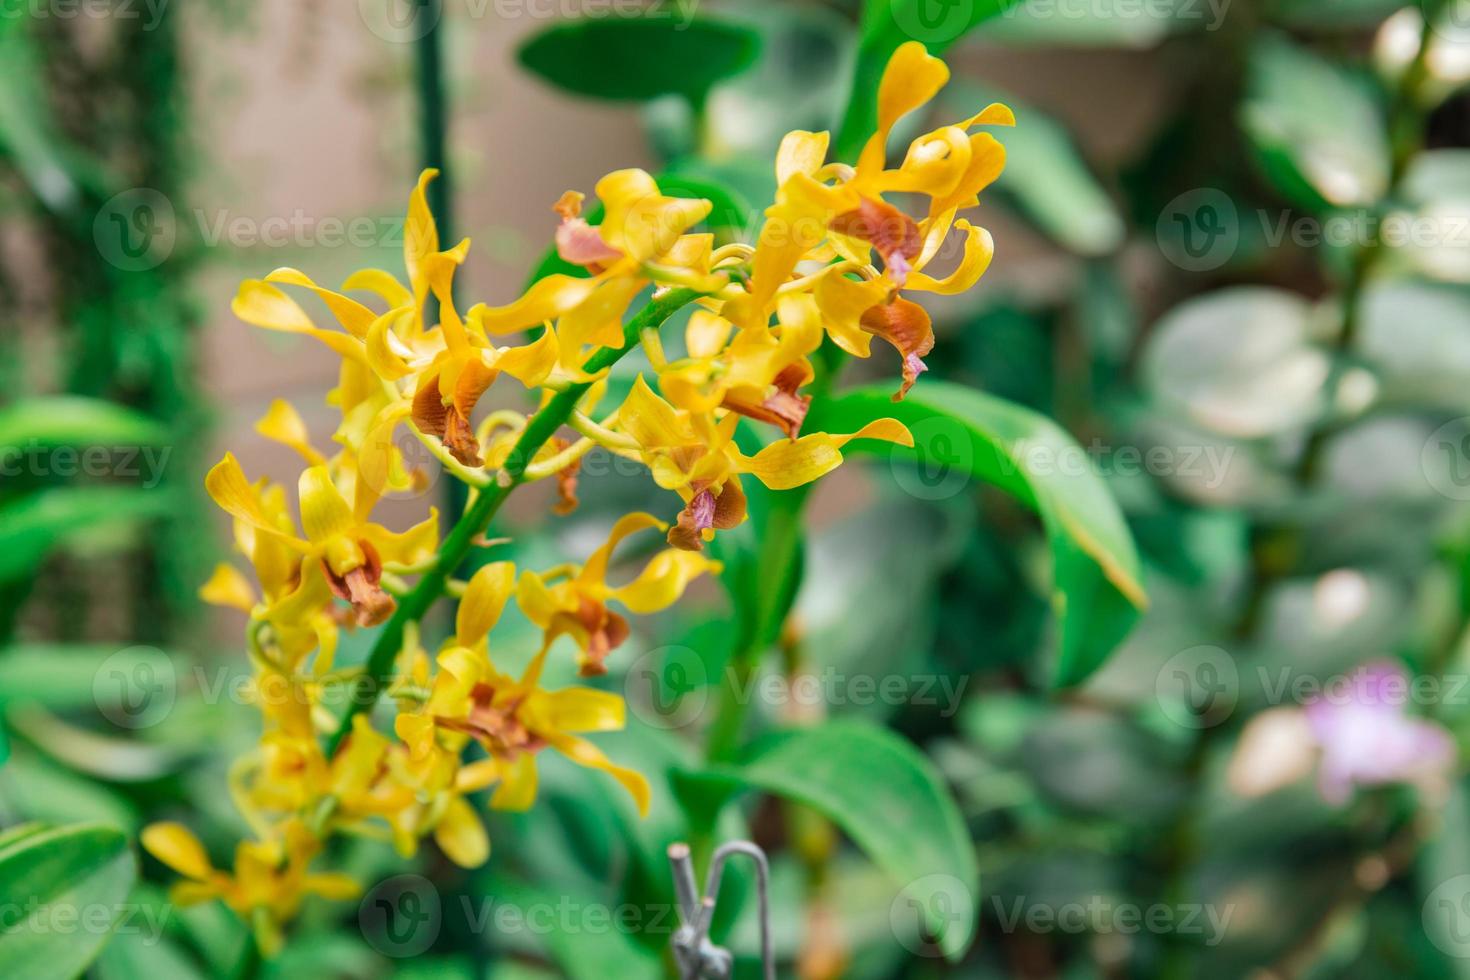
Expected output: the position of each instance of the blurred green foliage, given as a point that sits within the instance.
(1217, 380)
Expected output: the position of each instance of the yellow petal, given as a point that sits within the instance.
(535, 599)
(517, 790)
(532, 363)
(801, 152)
(186, 893)
(333, 886)
(664, 580)
(228, 587)
(226, 483)
(377, 457)
(354, 317)
(706, 334)
(597, 319)
(979, 247)
(987, 160)
(410, 547)
(324, 511)
(548, 299)
(386, 354)
(420, 236)
(581, 709)
(176, 846)
(263, 305)
(475, 776)
(793, 226)
(584, 753)
(282, 423)
(912, 78)
(793, 463)
(843, 302)
(484, 600)
(640, 222)
(461, 835)
(384, 284)
(995, 114)
(596, 568)
(653, 422)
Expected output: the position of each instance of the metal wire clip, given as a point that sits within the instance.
(697, 956)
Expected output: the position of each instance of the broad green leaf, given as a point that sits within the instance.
(1317, 130)
(1048, 178)
(76, 421)
(963, 435)
(76, 880)
(32, 526)
(891, 801)
(39, 789)
(637, 59)
(139, 955)
(1052, 22)
(582, 953)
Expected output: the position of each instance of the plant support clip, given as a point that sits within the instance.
(697, 956)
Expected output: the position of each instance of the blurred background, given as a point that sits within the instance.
(1232, 263)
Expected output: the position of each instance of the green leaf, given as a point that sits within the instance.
(1044, 22)
(891, 801)
(137, 955)
(582, 953)
(1317, 130)
(637, 59)
(52, 166)
(76, 880)
(77, 421)
(32, 526)
(962, 434)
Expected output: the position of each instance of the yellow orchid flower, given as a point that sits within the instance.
(269, 882)
(698, 459)
(351, 550)
(577, 604)
(642, 230)
(513, 720)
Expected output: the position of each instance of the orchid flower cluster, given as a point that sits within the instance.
(462, 726)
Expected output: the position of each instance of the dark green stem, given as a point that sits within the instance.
(366, 687)
(434, 141)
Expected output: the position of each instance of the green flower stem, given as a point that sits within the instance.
(780, 542)
(366, 688)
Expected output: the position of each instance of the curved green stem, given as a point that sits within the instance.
(365, 689)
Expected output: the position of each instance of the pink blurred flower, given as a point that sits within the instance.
(1368, 739)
